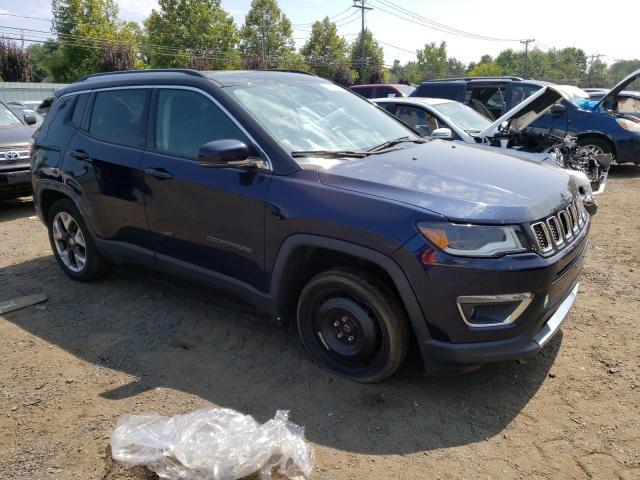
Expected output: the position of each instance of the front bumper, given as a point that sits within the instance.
(15, 183)
(502, 350)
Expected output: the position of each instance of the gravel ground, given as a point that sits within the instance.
(136, 342)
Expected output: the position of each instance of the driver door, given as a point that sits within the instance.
(207, 222)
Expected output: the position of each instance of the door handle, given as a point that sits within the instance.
(80, 155)
(158, 173)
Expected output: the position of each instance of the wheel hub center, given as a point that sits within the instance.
(345, 330)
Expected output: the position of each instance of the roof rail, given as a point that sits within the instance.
(186, 71)
(497, 77)
(292, 71)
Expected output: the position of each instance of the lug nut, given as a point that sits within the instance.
(335, 324)
(350, 338)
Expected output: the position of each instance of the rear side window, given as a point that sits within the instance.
(119, 117)
(78, 109)
(186, 120)
(384, 92)
(366, 92)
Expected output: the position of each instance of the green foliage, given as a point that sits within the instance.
(325, 50)
(85, 28)
(373, 55)
(486, 69)
(344, 76)
(182, 29)
(432, 61)
(266, 25)
(40, 56)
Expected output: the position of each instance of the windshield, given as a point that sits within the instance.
(406, 89)
(7, 118)
(465, 117)
(318, 116)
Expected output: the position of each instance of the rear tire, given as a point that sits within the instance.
(352, 325)
(72, 243)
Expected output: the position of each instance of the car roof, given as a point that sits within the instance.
(185, 76)
(415, 100)
(462, 80)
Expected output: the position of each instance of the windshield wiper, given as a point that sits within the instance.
(394, 142)
(329, 153)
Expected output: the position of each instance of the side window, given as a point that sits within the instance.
(519, 93)
(384, 92)
(366, 92)
(119, 117)
(186, 120)
(389, 107)
(422, 121)
(628, 105)
(78, 109)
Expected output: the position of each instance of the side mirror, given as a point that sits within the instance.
(557, 109)
(223, 153)
(442, 134)
(29, 118)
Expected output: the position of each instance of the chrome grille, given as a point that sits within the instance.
(14, 148)
(560, 230)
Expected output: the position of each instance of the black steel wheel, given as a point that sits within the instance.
(352, 325)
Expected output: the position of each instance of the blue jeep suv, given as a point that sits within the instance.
(316, 206)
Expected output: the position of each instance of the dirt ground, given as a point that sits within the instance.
(136, 342)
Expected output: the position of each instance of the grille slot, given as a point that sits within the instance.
(558, 231)
(14, 148)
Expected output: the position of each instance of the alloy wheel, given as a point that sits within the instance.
(69, 242)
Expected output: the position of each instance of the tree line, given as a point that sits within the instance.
(89, 37)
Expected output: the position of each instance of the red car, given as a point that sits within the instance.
(383, 90)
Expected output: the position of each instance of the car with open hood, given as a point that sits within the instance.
(448, 119)
(316, 206)
(597, 126)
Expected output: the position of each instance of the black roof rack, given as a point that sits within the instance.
(186, 71)
(503, 77)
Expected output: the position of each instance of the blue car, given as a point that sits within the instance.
(599, 126)
(317, 207)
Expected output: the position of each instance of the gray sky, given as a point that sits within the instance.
(603, 28)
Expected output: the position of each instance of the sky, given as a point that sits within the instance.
(552, 23)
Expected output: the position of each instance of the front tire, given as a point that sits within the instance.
(594, 146)
(352, 325)
(72, 243)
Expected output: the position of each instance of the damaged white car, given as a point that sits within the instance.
(448, 119)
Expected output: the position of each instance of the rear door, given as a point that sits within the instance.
(103, 160)
(207, 222)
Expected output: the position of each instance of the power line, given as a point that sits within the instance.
(415, 18)
(396, 47)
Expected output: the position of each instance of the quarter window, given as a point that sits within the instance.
(78, 109)
(186, 120)
(119, 117)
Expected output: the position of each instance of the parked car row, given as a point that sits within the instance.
(318, 207)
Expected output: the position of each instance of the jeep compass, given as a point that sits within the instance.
(316, 206)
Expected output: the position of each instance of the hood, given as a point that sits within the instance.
(458, 181)
(526, 112)
(15, 135)
(620, 86)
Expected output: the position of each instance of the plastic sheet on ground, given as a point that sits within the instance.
(212, 444)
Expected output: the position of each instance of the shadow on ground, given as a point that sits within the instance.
(15, 209)
(176, 335)
(624, 171)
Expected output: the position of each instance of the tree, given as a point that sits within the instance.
(487, 69)
(373, 54)
(432, 61)
(325, 50)
(621, 68)
(85, 29)
(267, 32)
(181, 29)
(116, 58)
(343, 75)
(14, 63)
(40, 57)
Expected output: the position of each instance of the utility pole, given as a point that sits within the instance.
(362, 8)
(526, 53)
(593, 58)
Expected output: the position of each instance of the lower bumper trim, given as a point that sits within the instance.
(499, 350)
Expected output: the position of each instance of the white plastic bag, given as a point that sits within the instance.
(212, 444)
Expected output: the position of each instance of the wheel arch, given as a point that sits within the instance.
(600, 136)
(301, 256)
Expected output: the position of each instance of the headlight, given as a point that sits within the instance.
(475, 240)
(629, 125)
